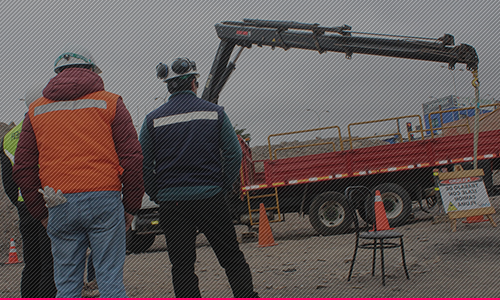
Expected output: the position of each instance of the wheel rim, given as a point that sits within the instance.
(331, 214)
(393, 204)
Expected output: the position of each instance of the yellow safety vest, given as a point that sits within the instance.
(9, 148)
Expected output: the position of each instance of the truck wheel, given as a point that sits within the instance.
(330, 213)
(359, 200)
(137, 243)
(397, 204)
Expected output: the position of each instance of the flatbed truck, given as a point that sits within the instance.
(404, 173)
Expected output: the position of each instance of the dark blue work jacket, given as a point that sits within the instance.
(186, 135)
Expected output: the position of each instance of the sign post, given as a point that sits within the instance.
(464, 195)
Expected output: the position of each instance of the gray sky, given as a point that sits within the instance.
(270, 91)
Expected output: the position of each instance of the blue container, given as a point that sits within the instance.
(449, 117)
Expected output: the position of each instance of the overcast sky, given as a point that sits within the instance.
(270, 91)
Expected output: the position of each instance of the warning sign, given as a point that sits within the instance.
(463, 194)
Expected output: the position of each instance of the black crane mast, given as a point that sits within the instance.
(288, 34)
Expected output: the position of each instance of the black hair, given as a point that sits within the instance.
(178, 85)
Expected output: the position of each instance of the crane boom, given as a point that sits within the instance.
(288, 34)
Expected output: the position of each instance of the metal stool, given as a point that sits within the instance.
(378, 238)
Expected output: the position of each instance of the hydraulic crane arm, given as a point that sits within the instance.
(286, 35)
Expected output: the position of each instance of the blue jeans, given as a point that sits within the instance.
(95, 220)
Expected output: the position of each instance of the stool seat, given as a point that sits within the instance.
(386, 234)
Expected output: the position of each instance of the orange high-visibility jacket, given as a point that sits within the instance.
(75, 143)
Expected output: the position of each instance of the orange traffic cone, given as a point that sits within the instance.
(381, 222)
(475, 219)
(265, 234)
(12, 253)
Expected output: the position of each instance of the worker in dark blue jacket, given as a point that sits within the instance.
(192, 158)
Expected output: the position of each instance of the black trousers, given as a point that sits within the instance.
(38, 273)
(180, 221)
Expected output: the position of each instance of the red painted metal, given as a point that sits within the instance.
(247, 165)
(376, 159)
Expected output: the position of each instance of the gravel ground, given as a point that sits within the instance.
(303, 264)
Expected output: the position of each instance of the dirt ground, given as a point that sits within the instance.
(303, 264)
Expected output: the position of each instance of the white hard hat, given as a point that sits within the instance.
(75, 57)
(33, 93)
(180, 67)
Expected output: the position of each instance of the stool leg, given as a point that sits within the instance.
(404, 260)
(374, 256)
(353, 258)
(382, 260)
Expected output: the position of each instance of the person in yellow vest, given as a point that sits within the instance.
(38, 273)
(78, 154)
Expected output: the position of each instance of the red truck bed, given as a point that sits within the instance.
(371, 160)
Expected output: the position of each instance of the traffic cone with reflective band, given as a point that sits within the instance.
(265, 234)
(381, 222)
(475, 219)
(13, 253)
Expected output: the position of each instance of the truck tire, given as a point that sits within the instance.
(137, 243)
(330, 213)
(359, 200)
(397, 204)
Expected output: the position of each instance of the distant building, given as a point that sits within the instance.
(449, 103)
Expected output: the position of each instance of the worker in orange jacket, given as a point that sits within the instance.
(78, 153)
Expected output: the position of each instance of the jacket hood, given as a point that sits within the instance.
(72, 84)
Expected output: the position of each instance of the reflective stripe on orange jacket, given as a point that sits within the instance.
(75, 143)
